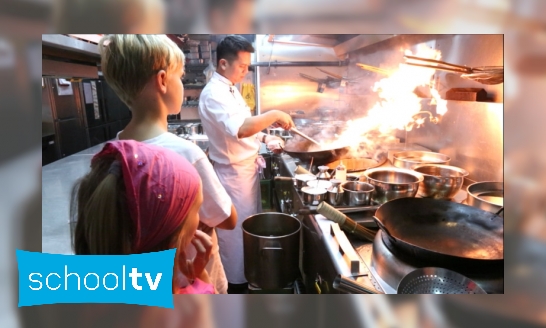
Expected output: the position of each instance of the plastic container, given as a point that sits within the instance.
(341, 172)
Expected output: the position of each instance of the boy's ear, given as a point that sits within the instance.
(222, 63)
(161, 81)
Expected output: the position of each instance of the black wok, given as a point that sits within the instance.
(322, 156)
(442, 233)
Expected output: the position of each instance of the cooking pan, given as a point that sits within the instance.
(441, 232)
(319, 156)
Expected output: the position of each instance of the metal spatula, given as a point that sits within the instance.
(298, 132)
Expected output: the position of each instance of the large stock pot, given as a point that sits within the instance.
(271, 248)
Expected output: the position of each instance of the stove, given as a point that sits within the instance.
(327, 251)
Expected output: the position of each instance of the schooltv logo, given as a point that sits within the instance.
(143, 279)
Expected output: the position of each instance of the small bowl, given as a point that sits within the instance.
(440, 181)
(322, 184)
(408, 159)
(356, 193)
(313, 196)
(302, 179)
(392, 183)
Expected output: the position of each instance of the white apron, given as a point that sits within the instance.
(242, 184)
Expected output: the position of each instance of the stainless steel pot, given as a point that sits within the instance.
(408, 159)
(193, 128)
(357, 193)
(302, 179)
(334, 196)
(313, 195)
(440, 181)
(271, 249)
(279, 132)
(392, 183)
(321, 184)
(488, 196)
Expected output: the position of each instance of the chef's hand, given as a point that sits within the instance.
(274, 143)
(283, 120)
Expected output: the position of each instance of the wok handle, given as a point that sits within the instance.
(382, 227)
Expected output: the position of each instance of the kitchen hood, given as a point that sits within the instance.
(70, 58)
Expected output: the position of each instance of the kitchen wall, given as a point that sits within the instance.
(282, 87)
(471, 133)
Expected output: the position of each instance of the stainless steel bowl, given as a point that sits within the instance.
(323, 184)
(488, 195)
(357, 193)
(411, 158)
(334, 198)
(313, 196)
(302, 179)
(440, 181)
(392, 183)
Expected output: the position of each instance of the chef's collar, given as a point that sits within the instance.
(222, 79)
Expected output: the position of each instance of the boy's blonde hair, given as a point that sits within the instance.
(129, 60)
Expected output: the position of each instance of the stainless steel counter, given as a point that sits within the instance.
(57, 181)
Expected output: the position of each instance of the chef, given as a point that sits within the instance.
(234, 142)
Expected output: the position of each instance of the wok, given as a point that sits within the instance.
(322, 156)
(440, 232)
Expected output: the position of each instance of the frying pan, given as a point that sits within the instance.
(319, 156)
(442, 232)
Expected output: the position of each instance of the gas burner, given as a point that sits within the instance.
(392, 268)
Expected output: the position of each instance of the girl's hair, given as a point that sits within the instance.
(128, 61)
(103, 222)
(135, 199)
(99, 209)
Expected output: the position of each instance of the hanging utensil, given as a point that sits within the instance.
(374, 69)
(482, 74)
(330, 82)
(337, 76)
(298, 132)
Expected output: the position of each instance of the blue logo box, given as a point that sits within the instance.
(143, 279)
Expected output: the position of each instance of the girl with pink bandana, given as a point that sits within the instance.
(141, 198)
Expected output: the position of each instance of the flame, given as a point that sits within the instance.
(398, 108)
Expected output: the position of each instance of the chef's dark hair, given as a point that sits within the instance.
(230, 46)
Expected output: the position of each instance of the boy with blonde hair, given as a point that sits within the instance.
(146, 72)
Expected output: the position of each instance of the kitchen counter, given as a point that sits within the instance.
(58, 179)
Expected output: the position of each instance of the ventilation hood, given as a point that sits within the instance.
(68, 57)
(311, 49)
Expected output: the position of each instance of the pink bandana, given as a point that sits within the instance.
(160, 185)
